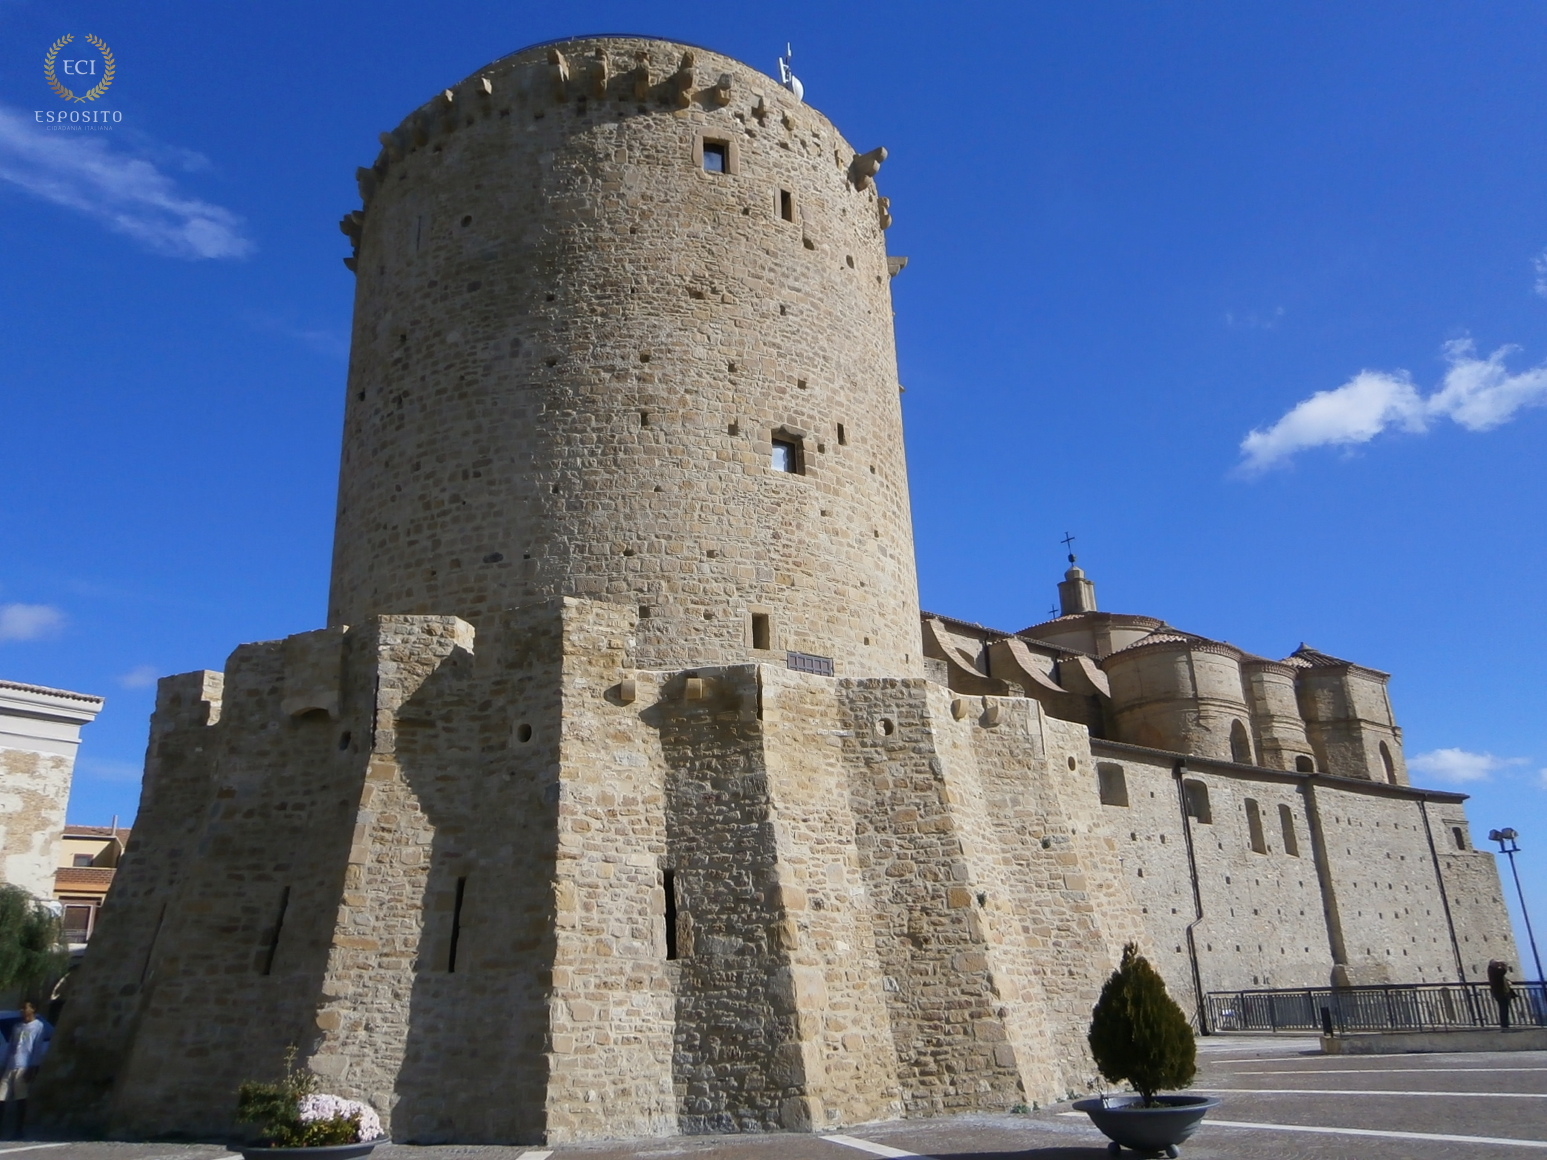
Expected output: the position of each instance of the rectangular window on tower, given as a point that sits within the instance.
(786, 205)
(762, 631)
(788, 454)
(715, 153)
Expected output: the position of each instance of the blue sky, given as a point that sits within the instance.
(1250, 298)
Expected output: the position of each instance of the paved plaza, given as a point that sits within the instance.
(1281, 1098)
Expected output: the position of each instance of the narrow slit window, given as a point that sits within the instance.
(456, 927)
(1286, 823)
(1254, 835)
(1459, 836)
(786, 205)
(670, 884)
(843, 436)
(715, 155)
(279, 925)
(762, 633)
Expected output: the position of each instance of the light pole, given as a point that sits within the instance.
(1508, 845)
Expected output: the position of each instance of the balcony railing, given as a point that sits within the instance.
(1393, 1007)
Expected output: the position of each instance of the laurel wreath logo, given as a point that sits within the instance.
(63, 92)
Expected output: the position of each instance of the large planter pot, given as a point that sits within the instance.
(327, 1152)
(1149, 1131)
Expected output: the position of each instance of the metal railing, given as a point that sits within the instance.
(1390, 1007)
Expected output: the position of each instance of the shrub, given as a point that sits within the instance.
(1137, 1032)
(31, 954)
(291, 1113)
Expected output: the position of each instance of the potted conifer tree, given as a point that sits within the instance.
(1139, 1036)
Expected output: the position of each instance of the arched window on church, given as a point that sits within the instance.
(1196, 794)
(1240, 744)
(1385, 760)
(1254, 834)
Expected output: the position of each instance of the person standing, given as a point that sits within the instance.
(23, 1053)
(1503, 990)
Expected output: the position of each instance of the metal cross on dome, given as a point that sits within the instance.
(1068, 542)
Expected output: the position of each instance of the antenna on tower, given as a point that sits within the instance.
(788, 79)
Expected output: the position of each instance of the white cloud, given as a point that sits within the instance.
(29, 621)
(126, 192)
(1477, 393)
(104, 769)
(140, 677)
(1459, 766)
(1540, 262)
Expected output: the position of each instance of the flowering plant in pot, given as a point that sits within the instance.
(297, 1120)
(1139, 1036)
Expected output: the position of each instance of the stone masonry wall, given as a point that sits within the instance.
(108, 991)
(573, 346)
(34, 788)
(1275, 918)
(437, 865)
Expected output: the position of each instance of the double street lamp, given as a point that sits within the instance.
(1508, 845)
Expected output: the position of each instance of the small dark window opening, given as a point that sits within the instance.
(1286, 823)
(644, 418)
(279, 924)
(1112, 784)
(456, 927)
(81, 860)
(1459, 835)
(788, 456)
(762, 635)
(1304, 764)
(715, 156)
(1390, 766)
(843, 436)
(786, 205)
(1197, 798)
(670, 884)
(1254, 835)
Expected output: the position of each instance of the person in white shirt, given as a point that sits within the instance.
(23, 1053)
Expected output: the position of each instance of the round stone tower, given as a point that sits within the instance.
(623, 331)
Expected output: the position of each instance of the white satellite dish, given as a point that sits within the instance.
(788, 79)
